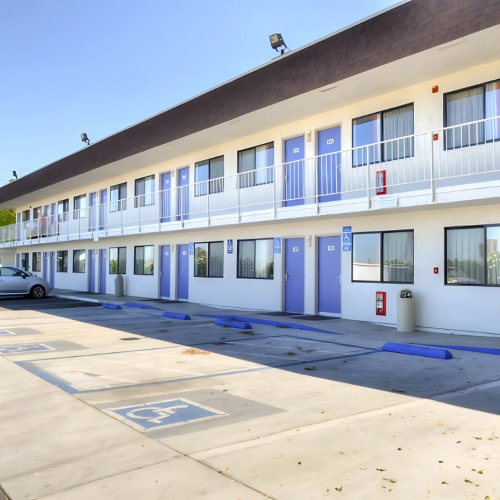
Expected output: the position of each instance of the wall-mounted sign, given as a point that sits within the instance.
(296, 150)
(347, 239)
(277, 245)
(329, 141)
(331, 248)
(295, 249)
(191, 249)
(229, 246)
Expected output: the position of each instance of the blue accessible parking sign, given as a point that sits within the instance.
(151, 416)
(347, 238)
(229, 246)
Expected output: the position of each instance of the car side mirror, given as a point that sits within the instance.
(24, 276)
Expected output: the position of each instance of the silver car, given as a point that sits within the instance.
(13, 281)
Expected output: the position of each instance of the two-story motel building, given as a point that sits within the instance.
(240, 196)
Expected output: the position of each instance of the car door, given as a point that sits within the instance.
(12, 281)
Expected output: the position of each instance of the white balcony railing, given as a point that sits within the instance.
(462, 154)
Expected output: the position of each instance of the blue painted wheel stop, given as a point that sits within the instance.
(141, 306)
(482, 350)
(111, 306)
(176, 315)
(233, 324)
(417, 350)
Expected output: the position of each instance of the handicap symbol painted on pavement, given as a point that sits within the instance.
(22, 348)
(160, 414)
(6, 332)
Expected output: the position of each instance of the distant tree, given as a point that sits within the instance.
(7, 217)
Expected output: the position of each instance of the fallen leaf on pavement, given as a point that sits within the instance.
(194, 351)
(398, 391)
(339, 489)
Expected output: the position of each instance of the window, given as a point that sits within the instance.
(118, 260)
(36, 262)
(10, 271)
(383, 257)
(62, 210)
(78, 261)
(118, 197)
(80, 206)
(62, 261)
(469, 261)
(25, 215)
(144, 260)
(256, 259)
(144, 191)
(209, 176)
(254, 163)
(25, 262)
(470, 105)
(37, 213)
(209, 260)
(387, 126)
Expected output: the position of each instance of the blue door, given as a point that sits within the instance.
(103, 269)
(52, 269)
(165, 196)
(92, 271)
(18, 227)
(329, 165)
(183, 272)
(102, 209)
(183, 194)
(18, 260)
(93, 211)
(329, 252)
(294, 275)
(46, 266)
(165, 272)
(294, 181)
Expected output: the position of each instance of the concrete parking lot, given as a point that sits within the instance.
(127, 404)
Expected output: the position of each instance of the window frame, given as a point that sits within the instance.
(445, 116)
(38, 261)
(117, 260)
(140, 199)
(381, 113)
(485, 255)
(209, 243)
(381, 277)
(64, 269)
(241, 185)
(135, 261)
(254, 259)
(84, 261)
(26, 257)
(77, 212)
(121, 203)
(27, 213)
(199, 188)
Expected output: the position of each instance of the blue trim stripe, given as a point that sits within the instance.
(269, 322)
(417, 350)
(482, 350)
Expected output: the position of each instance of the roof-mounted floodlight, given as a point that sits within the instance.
(278, 43)
(85, 138)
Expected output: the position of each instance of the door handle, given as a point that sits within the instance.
(286, 276)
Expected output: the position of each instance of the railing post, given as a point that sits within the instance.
(316, 182)
(369, 201)
(432, 167)
(274, 189)
(238, 193)
(208, 204)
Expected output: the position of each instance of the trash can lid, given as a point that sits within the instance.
(405, 294)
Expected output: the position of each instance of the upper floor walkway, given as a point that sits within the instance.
(452, 164)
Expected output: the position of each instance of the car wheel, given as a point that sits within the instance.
(37, 292)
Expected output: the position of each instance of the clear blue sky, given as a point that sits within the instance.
(97, 66)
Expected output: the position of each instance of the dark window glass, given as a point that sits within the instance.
(254, 165)
(118, 260)
(144, 260)
(78, 261)
(118, 197)
(10, 271)
(25, 216)
(80, 207)
(144, 191)
(25, 262)
(62, 210)
(256, 259)
(37, 213)
(209, 176)
(62, 261)
(36, 262)
(209, 259)
(465, 256)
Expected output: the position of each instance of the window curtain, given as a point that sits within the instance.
(201, 177)
(201, 259)
(122, 261)
(365, 131)
(493, 254)
(464, 107)
(398, 257)
(264, 158)
(465, 256)
(246, 167)
(139, 260)
(264, 259)
(246, 256)
(398, 123)
(216, 260)
(492, 100)
(217, 175)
